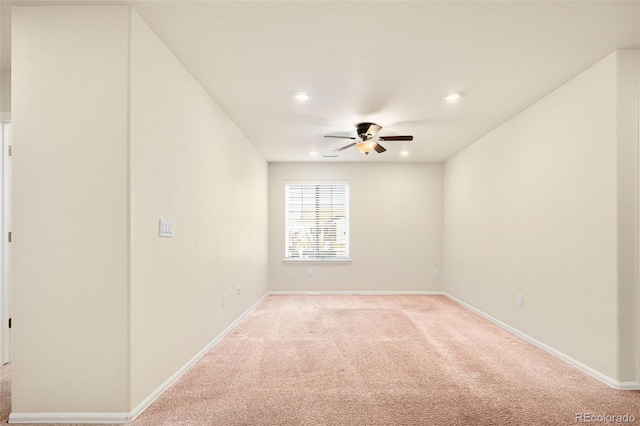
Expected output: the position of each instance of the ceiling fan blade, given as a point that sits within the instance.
(340, 137)
(395, 138)
(379, 148)
(345, 147)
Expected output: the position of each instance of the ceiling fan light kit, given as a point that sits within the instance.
(366, 147)
(368, 139)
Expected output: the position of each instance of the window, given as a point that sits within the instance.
(317, 221)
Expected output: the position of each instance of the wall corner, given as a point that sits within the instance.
(628, 216)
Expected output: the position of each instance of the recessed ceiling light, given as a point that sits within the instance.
(452, 96)
(313, 153)
(301, 97)
(404, 153)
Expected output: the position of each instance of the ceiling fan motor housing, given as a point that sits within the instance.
(367, 131)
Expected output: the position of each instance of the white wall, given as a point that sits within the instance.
(71, 209)
(191, 164)
(115, 134)
(395, 228)
(534, 208)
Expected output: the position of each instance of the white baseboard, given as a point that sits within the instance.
(627, 385)
(357, 293)
(86, 418)
(569, 360)
(115, 418)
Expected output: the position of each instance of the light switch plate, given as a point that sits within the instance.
(166, 228)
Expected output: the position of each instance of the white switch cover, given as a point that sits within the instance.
(166, 228)
(224, 300)
(436, 272)
(309, 273)
(520, 300)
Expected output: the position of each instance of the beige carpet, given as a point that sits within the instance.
(379, 360)
(5, 392)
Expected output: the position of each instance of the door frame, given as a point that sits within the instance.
(5, 296)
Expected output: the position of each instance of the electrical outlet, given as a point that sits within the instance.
(309, 273)
(436, 272)
(224, 300)
(238, 291)
(520, 300)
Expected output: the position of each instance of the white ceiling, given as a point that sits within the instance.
(388, 62)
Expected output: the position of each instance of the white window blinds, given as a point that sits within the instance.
(317, 221)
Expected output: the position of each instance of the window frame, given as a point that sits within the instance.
(317, 259)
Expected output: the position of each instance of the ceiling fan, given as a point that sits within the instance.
(367, 139)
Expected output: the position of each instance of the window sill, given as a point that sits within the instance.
(327, 260)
